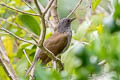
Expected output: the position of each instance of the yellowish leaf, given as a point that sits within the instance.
(99, 28)
(8, 43)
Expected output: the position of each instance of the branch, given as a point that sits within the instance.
(29, 6)
(52, 56)
(80, 1)
(38, 7)
(21, 27)
(40, 42)
(54, 15)
(54, 65)
(32, 37)
(21, 39)
(43, 32)
(6, 63)
(48, 6)
(32, 74)
(41, 7)
(102, 62)
(26, 56)
(42, 37)
(2, 4)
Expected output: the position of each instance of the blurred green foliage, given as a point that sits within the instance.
(30, 22)
(96, 37)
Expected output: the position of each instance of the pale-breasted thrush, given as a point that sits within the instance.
(58, 42)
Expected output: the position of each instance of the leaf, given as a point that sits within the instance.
(8, 43)
(21, 67)
(30, 23)
(44, 74)
(117, 7)
(41, 74)
(28, 47)
(95, 3)
(3, 75)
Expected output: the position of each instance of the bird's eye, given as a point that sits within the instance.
(68, 20)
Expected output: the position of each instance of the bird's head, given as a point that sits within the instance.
(64, 24)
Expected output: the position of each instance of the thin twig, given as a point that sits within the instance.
(3, 51)
(31, 36)
(54, 65)
(80, 1)
(52, 56)
(32, 74)
(17, 36)
(38, 7)
(2, 4)
(29, 6)
(48, 6)
(26, 56)
(43, 32)
(41, 7)
(102, 62)
(6, 63)
(6, 68)
(21, 27)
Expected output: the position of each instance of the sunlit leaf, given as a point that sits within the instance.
(8, 43)
(95, 3)
(3, 75)
(30, 23)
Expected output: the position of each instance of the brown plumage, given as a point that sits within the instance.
(57, 43)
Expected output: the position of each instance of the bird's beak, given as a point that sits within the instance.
(72, 19)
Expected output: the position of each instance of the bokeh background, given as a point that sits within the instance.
(96, 39)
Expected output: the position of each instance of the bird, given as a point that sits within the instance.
(57, 43)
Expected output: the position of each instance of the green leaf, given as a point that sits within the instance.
(117, 7)
(46, 74)
(30, 23)
(41, 74)
(95, 3)
(3, 75)
(21, 67)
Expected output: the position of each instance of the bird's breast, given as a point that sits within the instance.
(56, 43)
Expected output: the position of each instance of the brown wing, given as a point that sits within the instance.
(56, 43)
